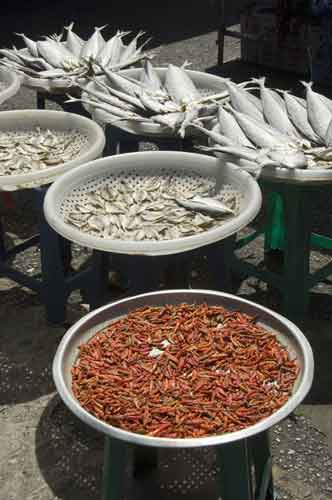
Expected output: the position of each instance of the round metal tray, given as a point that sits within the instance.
(12, 82)
(27, 119)
(72, 186)
(287, 333)
(206, 83)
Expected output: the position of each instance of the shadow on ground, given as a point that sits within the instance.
(28, 346)
(69, 454)
(165, 22)
(240, 71)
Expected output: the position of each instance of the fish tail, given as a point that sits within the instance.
(282, 91)
(261, 80)
(100, 27)
(70, 26)
(307, 85)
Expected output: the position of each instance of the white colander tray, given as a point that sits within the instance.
(206, 83)
(28, 119)
(12, 84)
(73, 186)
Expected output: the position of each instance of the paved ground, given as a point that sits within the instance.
(46, 453)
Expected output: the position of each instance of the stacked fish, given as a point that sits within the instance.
(64, 62)
(133, 207)
(173, 104)
(276, 129)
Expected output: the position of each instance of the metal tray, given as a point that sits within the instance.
(287, 333)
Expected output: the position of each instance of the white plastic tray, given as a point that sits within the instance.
(28, 119)
(94, 174)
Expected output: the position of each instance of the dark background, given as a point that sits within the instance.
(165, 21)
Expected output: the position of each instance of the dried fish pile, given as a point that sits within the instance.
(151, 208)
(276, 129)
(172, 104)
(71, 58)
(26, 151)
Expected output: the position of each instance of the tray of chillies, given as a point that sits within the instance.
(183, 368)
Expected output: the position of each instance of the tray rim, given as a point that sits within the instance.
(139, 439)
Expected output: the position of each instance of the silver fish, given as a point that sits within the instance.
(205, 204)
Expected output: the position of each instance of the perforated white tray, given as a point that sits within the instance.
(12, 83)
(206, 83)
(71, 187)
(28, 119)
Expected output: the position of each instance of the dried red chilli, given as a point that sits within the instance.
(183, 371)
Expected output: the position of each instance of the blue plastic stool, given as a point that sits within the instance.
(57, 281)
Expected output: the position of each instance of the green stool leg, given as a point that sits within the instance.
(235, 471)
(298, 213)
(115, 456)
(260, 449)
(145, 458)
(275, 232)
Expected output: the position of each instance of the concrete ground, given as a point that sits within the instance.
(47, 454)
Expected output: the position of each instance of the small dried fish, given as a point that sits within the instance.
(29, 150)
(151, 208)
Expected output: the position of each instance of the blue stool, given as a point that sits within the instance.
(57, 280)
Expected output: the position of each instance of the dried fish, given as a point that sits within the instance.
(205, 204)
(56, 60)
(319, 114)
(152, 208)
(174, 104)
(25, 151)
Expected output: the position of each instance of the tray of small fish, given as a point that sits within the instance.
(38, 145)
(152, 203)
(58, 62)
(277, 349)
(275, 134)
(154, 101)
(10, 84)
